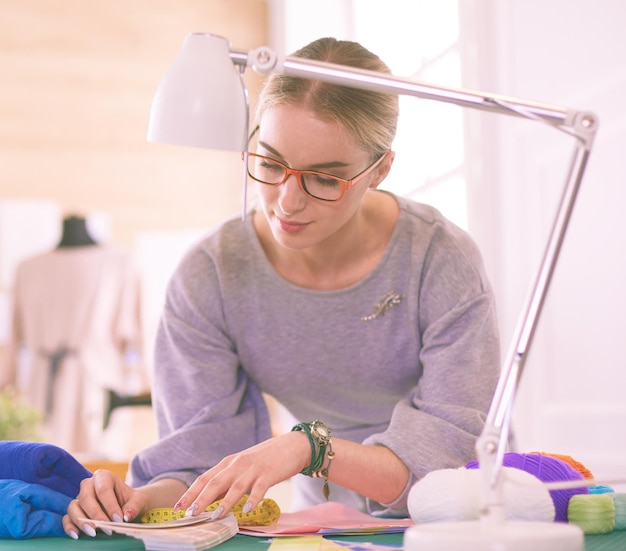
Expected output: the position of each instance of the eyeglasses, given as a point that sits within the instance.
(318, 185)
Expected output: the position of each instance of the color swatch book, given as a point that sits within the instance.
(185, 534)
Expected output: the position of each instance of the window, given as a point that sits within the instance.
(419, 40)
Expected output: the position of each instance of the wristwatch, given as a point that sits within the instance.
(321, 433)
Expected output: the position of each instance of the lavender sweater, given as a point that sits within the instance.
(416, 375)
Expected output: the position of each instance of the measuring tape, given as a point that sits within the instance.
(265, 513)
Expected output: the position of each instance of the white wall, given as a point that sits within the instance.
(564, 52)
(571, 53)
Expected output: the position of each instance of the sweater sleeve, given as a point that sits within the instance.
(206, 406)
(437, 424)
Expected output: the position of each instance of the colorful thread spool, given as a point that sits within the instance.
(619, 500)
(600, 489)
(593, 513)
(546, 469)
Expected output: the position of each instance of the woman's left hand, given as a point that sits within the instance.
(252, 471)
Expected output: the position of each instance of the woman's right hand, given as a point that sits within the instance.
(102, 497)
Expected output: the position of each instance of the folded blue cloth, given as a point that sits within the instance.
(44, 464)
(30, 510)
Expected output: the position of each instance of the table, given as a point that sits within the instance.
(614, 541)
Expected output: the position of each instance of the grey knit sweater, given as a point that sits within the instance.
(407, 358)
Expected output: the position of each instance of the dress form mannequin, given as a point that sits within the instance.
(75, 233)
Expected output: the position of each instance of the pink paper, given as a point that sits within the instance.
(328, 518)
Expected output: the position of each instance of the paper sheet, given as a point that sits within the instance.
(320, 543)
(303, 543)
(326, 519)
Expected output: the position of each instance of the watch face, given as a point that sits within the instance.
(321, 432)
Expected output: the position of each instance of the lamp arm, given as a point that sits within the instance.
(189, 109)
(263, 60)
(491, 444)
(582, 125)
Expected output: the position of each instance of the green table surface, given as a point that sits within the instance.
(614, 541)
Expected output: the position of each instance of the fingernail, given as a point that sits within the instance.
(128, 515)
(247, 507)
(191, 511)
(73, 534)
(89, 530)
(106, 530)
(217, 513)
(178, 506)
(117, 518)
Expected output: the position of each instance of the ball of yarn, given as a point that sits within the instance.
(593, 513)
(444, 495)
(619, 500)
(577, 465)
(454, 495)
(600, 489)
(546, 469)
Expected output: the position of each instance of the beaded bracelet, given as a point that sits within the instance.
(324, 472)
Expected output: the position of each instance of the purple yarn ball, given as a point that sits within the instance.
(546, 469)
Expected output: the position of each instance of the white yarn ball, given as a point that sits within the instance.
(446, 494)
(526, 497)
(454, 495)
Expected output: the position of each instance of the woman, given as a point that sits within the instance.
(347, 304)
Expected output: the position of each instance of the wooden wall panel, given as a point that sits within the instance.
(76, 83)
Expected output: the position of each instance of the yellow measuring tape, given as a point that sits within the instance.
(265, 513)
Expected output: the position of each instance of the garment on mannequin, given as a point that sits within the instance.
(55, 360)
(75, 233)
(76, 316)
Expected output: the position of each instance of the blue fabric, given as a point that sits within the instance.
(30, 510)
(37, 482)
(44, 464)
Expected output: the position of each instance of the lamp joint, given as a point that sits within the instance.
(262, 60)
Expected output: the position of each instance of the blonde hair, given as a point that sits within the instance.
(370, 117)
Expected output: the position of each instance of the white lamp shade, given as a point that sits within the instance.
(201, 101)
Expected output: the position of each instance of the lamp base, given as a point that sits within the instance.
(509, 536)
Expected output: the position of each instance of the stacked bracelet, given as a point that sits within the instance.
(320, 438)
(324, 472)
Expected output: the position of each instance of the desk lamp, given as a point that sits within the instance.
(202, 101)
